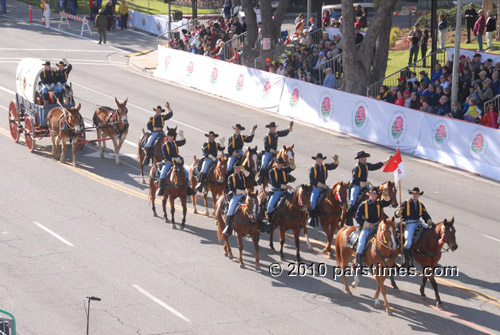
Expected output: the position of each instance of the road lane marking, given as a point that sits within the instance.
(8, 91)
(60, 238)
(161, 303)
(491, 238)
(139, 53)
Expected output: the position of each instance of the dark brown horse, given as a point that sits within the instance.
(111, 123)
(250, 164)
(292, 214)
(288, 157)
(157, 150)
(65, 124)
(330, 211)
(176, 187)
(427, 252)
(216, 182)
(245, 222)
(381, 252)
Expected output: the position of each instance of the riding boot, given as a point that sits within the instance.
(313, 219)
(190, 191)
(359, 261)
(149, 153)
(228, 230)
(201, 180)
(161, 186)
(406, 258)
(261, 177)
(349, 219)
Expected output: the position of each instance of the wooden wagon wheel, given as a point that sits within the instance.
(29, 134)
(14, 121)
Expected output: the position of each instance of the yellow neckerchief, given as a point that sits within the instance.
(241, 136)
(276, 175)
(234, 181)
(408, 208)
(359, 170)
(168, 147)
(366, 210)
(315, 173)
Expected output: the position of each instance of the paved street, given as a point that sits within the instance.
(68, 233)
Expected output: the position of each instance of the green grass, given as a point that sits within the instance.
(143, 6)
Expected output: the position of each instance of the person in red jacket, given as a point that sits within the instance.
(490, 118)
(479, 28)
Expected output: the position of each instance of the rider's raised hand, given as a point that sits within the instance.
(181, 134)
(290, 128)
(336, 159)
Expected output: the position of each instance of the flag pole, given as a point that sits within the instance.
(401, 217)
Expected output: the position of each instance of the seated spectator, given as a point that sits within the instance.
(406, 95)
(436, 74)
(280, 69)
(310, 78)
(382, 94)
(330, 80)
(443, 108)
(490, 118)
(414, 101)
(495, 83)
(476, 62)
(473, 114)
(426, 107)
(424, 78)
(400, 100)
(432, 96)
(485, 93)
(483, 75)
(268, 64)
(415, 86)
(456, 111)
(443, 82)
(423, 90)
(392, 96)
(401, 84)
(413, 77)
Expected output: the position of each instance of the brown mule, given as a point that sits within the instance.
(64, 125)
(288, 157)
(381, 253)
(112, 123)
(157, 152)
(216, 182)
(330, 211)
(245, 222)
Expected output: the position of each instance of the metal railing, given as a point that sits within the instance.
(336, 65)
(493, 101)
(424, 64)
(201, 4)
(274, 55)
(236, 42)
(189, 26)
(316, 35)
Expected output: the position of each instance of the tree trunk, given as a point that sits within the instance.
(487, 5)
(365, 63)
(498, 20)
(250, 52)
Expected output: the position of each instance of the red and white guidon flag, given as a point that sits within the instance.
(395, 164)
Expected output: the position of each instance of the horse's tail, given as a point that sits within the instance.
(218, 216)
(194, 160)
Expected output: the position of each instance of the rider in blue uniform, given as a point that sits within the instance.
(317, 178)
(237, 186)
(271, 146)
(278, 177)
(61, 78)
(412, 210)
(155, 126)
(170, 151)
(210, 149)
(235, 145)
(360, 180)
(368, 216)
(47, 78)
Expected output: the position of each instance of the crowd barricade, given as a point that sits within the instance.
(153, 24)
(64, 20)
(452, 142)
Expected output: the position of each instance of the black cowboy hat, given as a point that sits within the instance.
(236, 166)
(211, 133)
(171, 132)
(280, 161)
(158, 107)
(46, 63)
(362, 154)
(319, 155)
(238, 126)
(61, 63)
(271, 125)
(415, 190)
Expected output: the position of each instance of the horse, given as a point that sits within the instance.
(291, 214)
(427, 252)
(111, 123)
(216, 182)
(381, 252)
(251, 164)
(157, 151)
(330, 211)
(64, 124)
(245, 222)
(288, 156)
(176, 187)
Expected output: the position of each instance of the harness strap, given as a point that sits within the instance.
(428, 253)
(379, 253)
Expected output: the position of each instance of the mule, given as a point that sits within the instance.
(111, 123)
(65, 124)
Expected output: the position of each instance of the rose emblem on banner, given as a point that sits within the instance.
(190, 69)
(143, 21)
(240, 82)
(267, 89)
(397, 127)
(441, 134)
(360, 116)
(478, 143)
(294, 99)
(326, 107)
(167, 61)
(214, 76)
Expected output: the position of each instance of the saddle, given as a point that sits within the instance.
(352, 240)
(322, 195)
(156, 174)
(197, 168)
(146, 138)
(225, 204)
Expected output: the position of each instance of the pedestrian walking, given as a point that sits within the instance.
(101, 23)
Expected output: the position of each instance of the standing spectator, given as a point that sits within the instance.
(490, 118)
(358, 13)
(358, 36)
(442, 28)
(123, 10)
(491, 26)
(46, 13)
(415, 36)
(470, 19)
(334, 15)
(73, 5)
(108, 11)
(423, 45)
(101, 23)
(3, 7)
(479, 28)
(299, 18)
(326, 18)
(228, 5)
(94, 10)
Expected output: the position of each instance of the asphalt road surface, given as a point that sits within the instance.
(66, 233)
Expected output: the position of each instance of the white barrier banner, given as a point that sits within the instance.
(155, 24)
(470, 53)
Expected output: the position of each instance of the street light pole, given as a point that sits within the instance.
(433, 32)
(456, 55)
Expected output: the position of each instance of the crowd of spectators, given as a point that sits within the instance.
(478, 82)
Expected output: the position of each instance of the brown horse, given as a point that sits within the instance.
(330, 211)
(288, 156)
(292, 214)
(250, 163)
(216, 182)
(176, 187)
(112, 124)
(65, 124)
(427, 252)
(381, 253)
(157, 151)
(245, 222)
